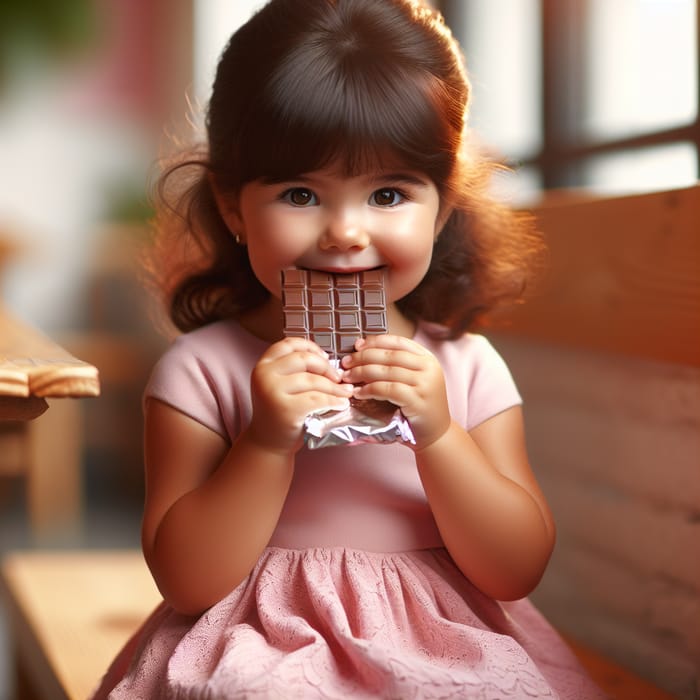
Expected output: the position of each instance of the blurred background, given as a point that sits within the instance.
(573, 93)
(595, 95)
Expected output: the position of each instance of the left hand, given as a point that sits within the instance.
(397, 369)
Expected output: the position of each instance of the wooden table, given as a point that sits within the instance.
(34, 370)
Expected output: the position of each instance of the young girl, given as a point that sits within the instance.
(336, 142)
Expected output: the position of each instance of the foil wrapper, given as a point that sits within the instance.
(364, 421)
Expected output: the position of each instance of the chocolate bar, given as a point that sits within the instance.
(333, 309)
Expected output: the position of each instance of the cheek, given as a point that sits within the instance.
(414, 245)
(408, 267)
(279, 235)
(411, 255)
(269, 252)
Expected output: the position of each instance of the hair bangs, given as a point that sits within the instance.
(348, 113)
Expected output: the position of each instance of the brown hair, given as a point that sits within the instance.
(304, 82)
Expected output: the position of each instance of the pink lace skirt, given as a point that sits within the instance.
(340, 623)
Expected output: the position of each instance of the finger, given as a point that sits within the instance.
(297, 384)
(391, 342)
(292, 345)
(390, 365)
(315, 402)
(301, 362)
(384, 356)
(366, 374)
(399, 394)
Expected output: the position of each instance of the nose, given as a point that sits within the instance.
(343, 233)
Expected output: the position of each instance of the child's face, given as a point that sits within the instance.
(324, 220)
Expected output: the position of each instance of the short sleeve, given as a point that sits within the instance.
(180, 380)
(479, 383)
(205, 374)
(491, 386)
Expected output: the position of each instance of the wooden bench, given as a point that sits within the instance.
(622, 276)
(71, 612)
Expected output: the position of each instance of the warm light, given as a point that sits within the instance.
(641, 67)
(214, 22)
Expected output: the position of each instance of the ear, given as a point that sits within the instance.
(227, 204)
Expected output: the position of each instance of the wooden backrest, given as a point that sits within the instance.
(623, 276)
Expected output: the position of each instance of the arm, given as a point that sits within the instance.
(211, 507)
(491, 513)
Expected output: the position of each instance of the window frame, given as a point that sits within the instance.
(558, 158)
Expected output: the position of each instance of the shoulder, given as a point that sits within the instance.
(213, 346)
(213, 338)
(476, 375)
(470, 351)
(206, 374)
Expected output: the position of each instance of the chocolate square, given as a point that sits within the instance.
(334, 310)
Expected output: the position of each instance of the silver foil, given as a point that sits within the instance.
(364, 421)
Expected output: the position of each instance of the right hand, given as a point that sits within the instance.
(292, 378)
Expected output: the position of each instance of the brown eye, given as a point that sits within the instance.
(386, 197)
(300, 197)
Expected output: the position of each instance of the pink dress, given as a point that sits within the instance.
(355, 596)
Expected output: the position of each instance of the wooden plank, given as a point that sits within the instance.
(616, 681)
(623, 276)
(73, 611)
(31, 364)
